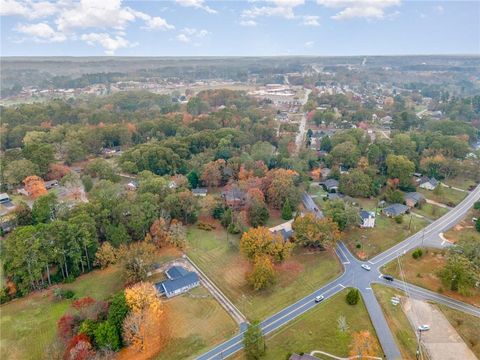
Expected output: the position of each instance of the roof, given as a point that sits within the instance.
(175, 272)
(233, 194)
(302, 357)
(331, 183)
(416, 196)
(200, 191)
(366, 214)
(396, 209)
(4, 196)
(425, 180)
(176, 284)
(286, 234)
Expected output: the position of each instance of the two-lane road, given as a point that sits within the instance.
(355, 276)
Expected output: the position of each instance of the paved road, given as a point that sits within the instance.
(355, 276)
(303, 123)
(310, 205)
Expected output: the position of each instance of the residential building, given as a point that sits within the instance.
(302, 357)
(200, 191)
(330, 185)
(234, 197)
(426, 183)
(51, 184)
(367, 219)
(413, 199)
(132, 185)
(394, 210)
(4, 198)
(179, 281)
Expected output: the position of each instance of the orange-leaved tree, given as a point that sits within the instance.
(364, 344)
(313, 232)
(261, 241)
(35, 186)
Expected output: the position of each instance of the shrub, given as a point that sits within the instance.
(205, 226)
(60, 293)
(417, 254)
(476, 206)
(358, 245)
(398, 219)
(353, 296)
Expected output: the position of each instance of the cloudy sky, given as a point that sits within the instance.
(249, 27)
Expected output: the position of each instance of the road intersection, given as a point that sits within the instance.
(355, 276)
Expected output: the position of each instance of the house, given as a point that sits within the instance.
(426, 183)
(394, 210)
(343, 169)
(331, 185)
(200, 191)
(367, 219)
(132, 185)
(413, 199)
(325, 172)
(4, 198)
(285, 233)
(179, 281)
(234, 197)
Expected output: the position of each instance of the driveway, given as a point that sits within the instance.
(442, 341)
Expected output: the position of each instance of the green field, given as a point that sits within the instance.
(460, 182)
(447, 196)
(383, 236)
(317, 330)
(397, 321)
(35, 316)
(430, 211)
(198, 323)
(298, 276)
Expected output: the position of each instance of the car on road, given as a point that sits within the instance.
(423, 328)
(319, 298)
(388, 277)
(366, 267)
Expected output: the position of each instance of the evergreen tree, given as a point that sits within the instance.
(286, 210)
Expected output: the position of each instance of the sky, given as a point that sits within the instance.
(238, 28)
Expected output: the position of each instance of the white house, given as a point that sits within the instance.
(429, 184)
(367, 219)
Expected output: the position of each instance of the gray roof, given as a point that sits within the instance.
(432, 181)
(200, 191)
(286, 234)
(331, 183)
(233, 194)
(175, 272)
(172, 285)
(302, 357)
(366, 214)
(4, 197)
(396, 209)
(416, 196)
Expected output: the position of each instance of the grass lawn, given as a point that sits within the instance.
(35, 316)
(383, 236)
(226, 267)
(447, 196)
(317, 330)
(423, 272)
(467, 326)
(275, 218)
(198, 322)
(465, 229)
(460, 182)
(430, 211)
(397, 321)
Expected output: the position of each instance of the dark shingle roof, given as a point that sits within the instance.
(366, 214)
(176, 271)
(331, 183)
(200, 191)
(169, 285)
(396, 209)
(416, 196)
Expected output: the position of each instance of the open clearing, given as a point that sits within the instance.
(35, 316)
(423, 272)
(465, 229)
(220, 259)
(442, 342)
(430, 211)
(317, 330)
(447, 196)
(383, 236)
(397, 321)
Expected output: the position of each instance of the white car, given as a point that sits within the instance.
(423, 328)
(366, 267)
(319, 298)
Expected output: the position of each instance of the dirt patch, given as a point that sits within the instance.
(290, 270)
(442, 341)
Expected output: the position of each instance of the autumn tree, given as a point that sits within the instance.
(79, 348)
(280, 186)
(159, 232)
(258, 213)
(17, 170)
(398, 166)
(356, 183)
(137, 260)
(363, 344)
(145, 326)
(262, 275)
(182, 206)
(212, 173)
(177, 234)
(260, 241)
(313, 232)
(106, 255)
(35, 186)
